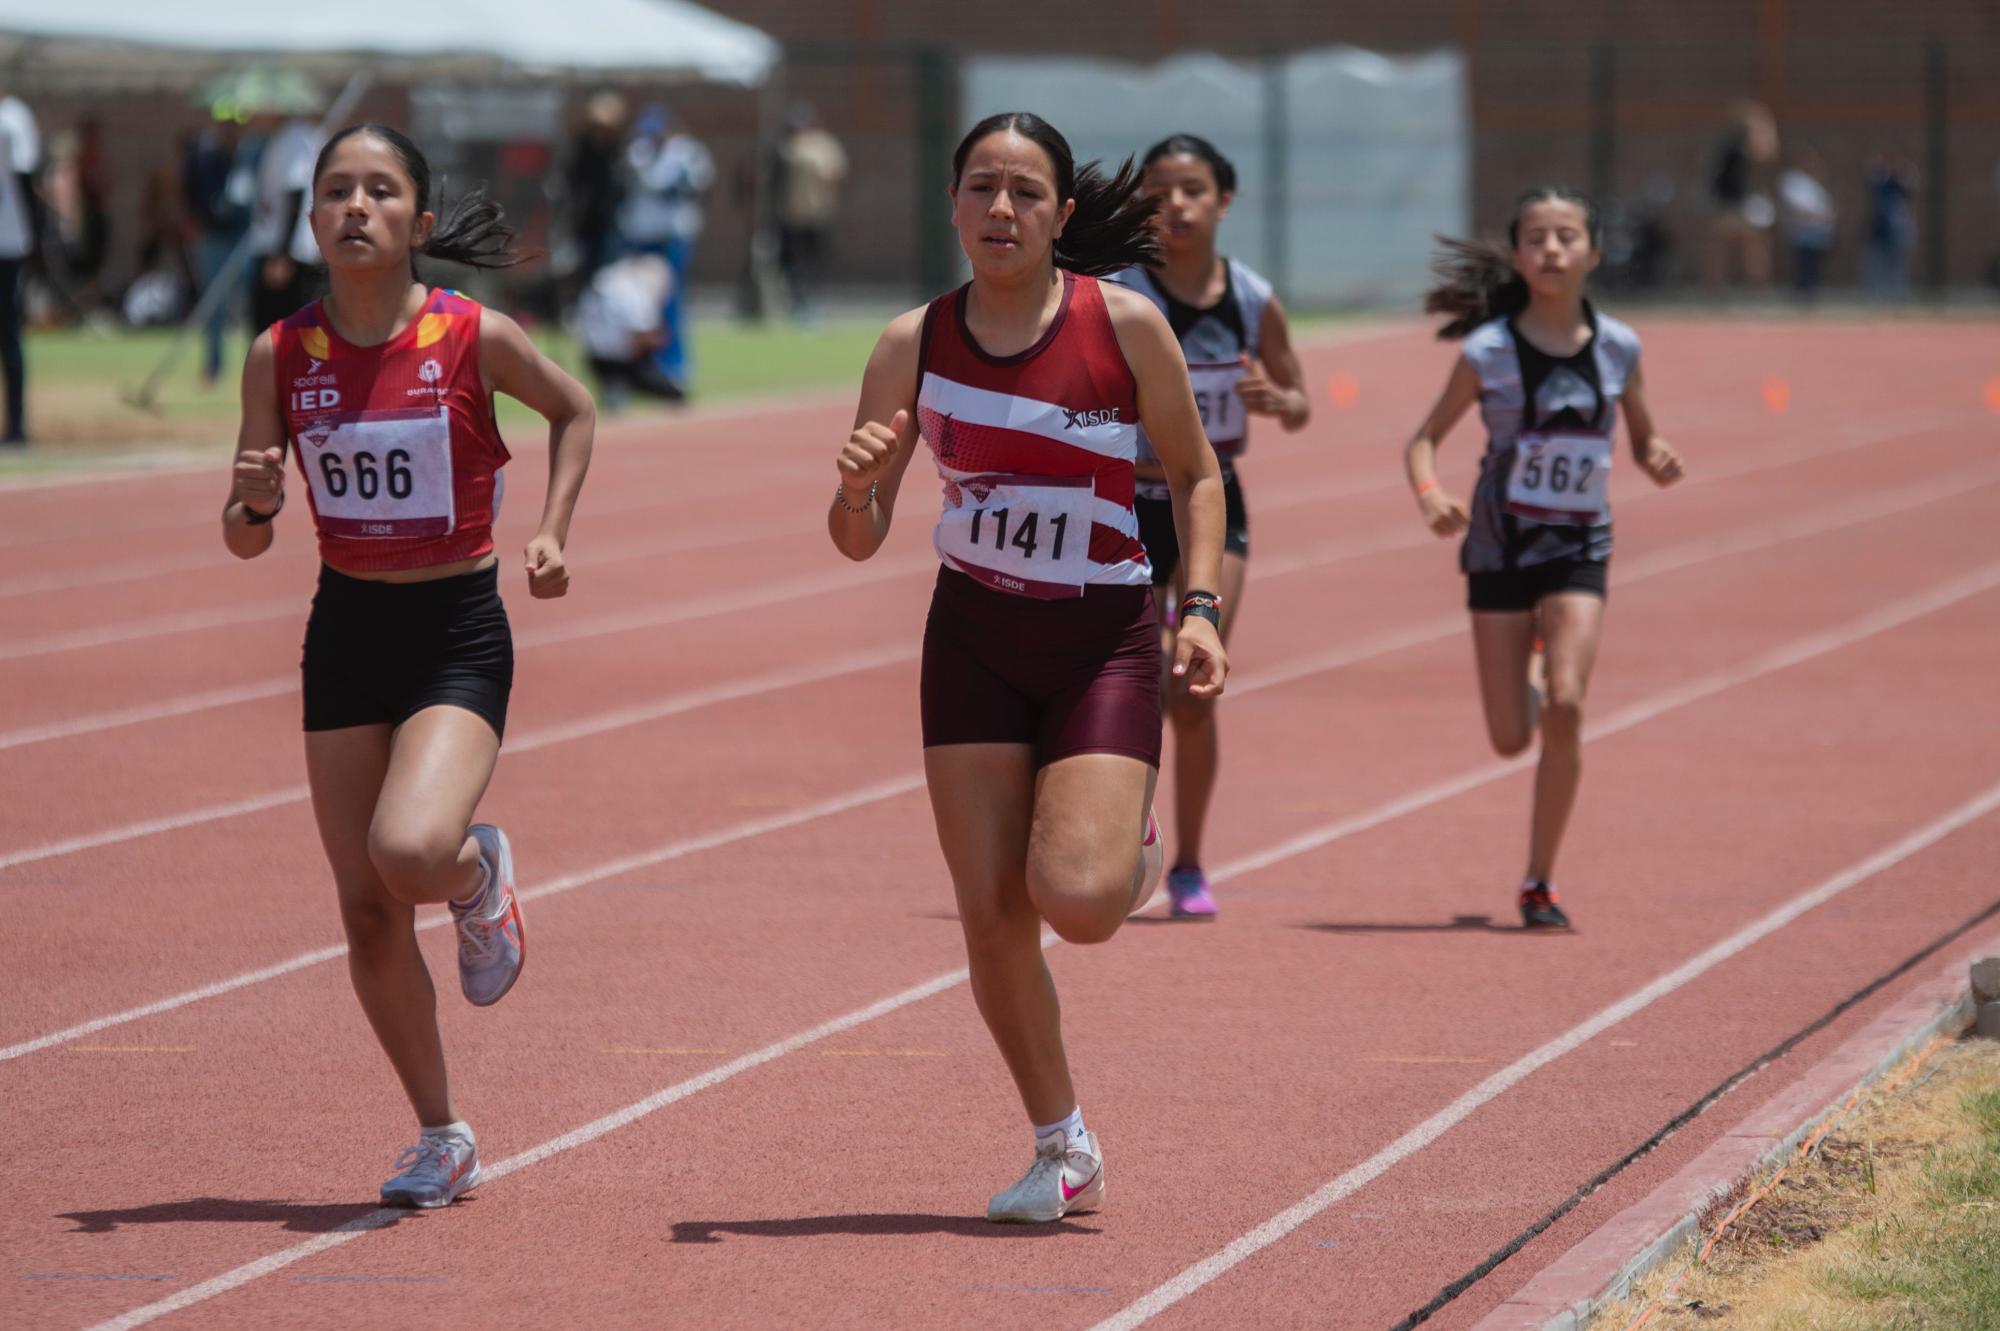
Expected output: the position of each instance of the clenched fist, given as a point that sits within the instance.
(259, 483)
(868, 453)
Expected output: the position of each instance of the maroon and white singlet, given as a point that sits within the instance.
(1042, 630)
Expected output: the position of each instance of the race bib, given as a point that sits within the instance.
(1029, 535)
(1222, 416)
(1561, 478)
(381, 473)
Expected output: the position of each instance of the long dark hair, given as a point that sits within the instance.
(473, 231)
(1112, 226)
(1194, 145)
(1476, 278)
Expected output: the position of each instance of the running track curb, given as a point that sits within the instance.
(1601, 1268)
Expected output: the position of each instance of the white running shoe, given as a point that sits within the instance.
(1152, 865)
(437, 1171)
(491, 943)
(1067, 1176)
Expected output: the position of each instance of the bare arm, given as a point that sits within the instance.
(1653, 454)
(1442, 514)
(1275, 385)
(1172, 423)
(877, 453)
(257, 476)
(512, 364)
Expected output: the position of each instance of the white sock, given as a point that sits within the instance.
(1071, 1127)
(457, 1128)
(473, 900)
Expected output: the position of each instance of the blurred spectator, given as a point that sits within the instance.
(1892, 226)
(165, 285)
(595, 176)
(670, 171)
(1742, 215)
(621, 323)
(811, 167)
(1809, 218)
(20, 235)
(76, 190)
(218, 187)
(283, 251)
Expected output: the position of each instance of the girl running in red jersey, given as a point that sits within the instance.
(1548, 372)
(1041, 678)
(1239, 354)
(384, 391)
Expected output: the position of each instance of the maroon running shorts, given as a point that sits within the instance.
(1067, 677)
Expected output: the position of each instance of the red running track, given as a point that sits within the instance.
(743, 1083)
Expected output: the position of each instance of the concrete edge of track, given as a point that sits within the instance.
(1601, 1268)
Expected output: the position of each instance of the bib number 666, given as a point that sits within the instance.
(369, 474)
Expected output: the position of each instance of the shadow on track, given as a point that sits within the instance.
(873, 1226)
(295, 1217)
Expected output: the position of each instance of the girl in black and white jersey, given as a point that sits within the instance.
(1239, 353)
(1548, 373)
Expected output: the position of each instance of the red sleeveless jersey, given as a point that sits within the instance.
(397, 442)
(1036, 450)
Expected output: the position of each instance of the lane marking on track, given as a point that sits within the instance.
(621, 718)
(1425, 1133)
(1816, 645)
(664, 1049)
(135, 1049)
(673, 850)
(1378, 645)
(1403, 537)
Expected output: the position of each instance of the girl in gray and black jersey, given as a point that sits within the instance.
(1548, 373)
(1239, 354)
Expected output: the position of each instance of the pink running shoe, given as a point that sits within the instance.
(1188, 886)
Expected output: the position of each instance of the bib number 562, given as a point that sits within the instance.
(1562, 479)
(369, 474)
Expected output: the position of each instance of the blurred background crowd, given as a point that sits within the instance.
(676, 167)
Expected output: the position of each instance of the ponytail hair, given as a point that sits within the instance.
(1112, 225)
(1477, 282)
(473, 231)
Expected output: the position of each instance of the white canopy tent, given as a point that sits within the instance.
(86, 43)
(104, 46)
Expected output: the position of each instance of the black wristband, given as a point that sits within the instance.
(252, 518)
(1201, 610)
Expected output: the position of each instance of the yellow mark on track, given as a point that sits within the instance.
(135, 1048)
(658, 1049)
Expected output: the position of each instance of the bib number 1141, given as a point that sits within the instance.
(1027, 534)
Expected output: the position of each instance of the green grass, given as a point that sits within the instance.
(1941, 1268)
(78, 381)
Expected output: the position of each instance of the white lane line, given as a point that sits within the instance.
(1805, 649)
(673, 613)
(1403, 537)
(93, 722)
(673, 850)
(1427, 1132)
(1705, 686)
(675, 704)
(159, 626)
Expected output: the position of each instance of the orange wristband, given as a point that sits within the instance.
(1427, 487)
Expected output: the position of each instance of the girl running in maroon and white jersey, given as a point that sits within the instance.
(1041, 689)
(384, 390)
